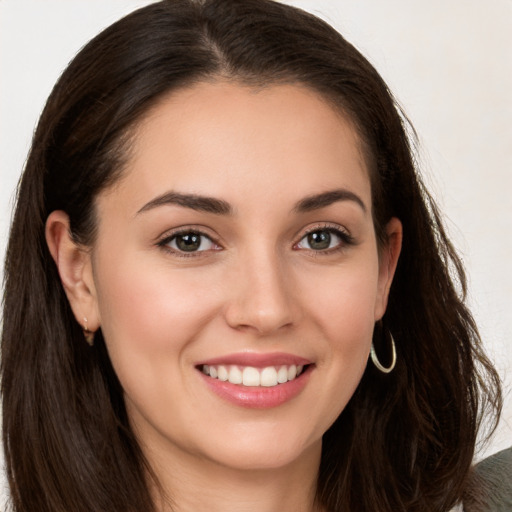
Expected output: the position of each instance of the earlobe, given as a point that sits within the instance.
(75, 269)
(387, 265)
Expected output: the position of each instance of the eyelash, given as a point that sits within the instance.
(346, 239)
(168, 239)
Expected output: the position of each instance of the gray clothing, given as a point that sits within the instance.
(490, 485)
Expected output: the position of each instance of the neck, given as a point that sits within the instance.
(188, 485)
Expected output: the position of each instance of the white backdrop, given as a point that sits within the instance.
(448, 62)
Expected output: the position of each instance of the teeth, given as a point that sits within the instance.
(234, 375)
(222, 373)
(268, 377)
(249, 376)
(282, 375)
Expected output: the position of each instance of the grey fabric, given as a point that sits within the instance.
(490, 486)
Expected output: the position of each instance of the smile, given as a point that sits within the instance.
(268, 376)
(257, 381)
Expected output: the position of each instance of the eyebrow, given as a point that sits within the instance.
(221, 207)
(324, 199)
(192, 201)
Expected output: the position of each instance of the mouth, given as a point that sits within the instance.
(257, 381)
(250, 376)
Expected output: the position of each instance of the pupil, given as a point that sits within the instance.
(188, 242)
(319, 240)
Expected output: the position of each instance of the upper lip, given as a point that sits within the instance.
(256, 360)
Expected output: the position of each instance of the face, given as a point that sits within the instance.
(236, 275)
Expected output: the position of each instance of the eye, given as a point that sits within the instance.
(188, 242)
(324, 239)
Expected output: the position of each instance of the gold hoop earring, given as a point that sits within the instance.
(88, 335)
(376, 361)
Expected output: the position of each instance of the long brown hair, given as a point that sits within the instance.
(404, 442)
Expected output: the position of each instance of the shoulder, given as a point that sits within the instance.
(489, 488)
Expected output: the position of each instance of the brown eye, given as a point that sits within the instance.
(190, 241)
(323, 239)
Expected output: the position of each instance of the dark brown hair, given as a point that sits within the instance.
(404, 442)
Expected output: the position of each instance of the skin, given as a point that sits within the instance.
(258, 287)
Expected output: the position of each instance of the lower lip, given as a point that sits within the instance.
(258, 397)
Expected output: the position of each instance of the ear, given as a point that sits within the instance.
(75, 269)
(388, 260)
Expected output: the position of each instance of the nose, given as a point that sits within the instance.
(264, 298)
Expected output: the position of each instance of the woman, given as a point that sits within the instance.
(227, 287)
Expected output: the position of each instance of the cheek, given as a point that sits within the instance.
(341, 303)
(342, 300)
(150, 315)
(148, 310)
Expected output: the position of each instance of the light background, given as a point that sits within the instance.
(449, 63)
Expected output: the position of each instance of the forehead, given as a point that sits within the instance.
(216, 138)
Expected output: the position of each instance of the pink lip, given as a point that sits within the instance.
(257, 360)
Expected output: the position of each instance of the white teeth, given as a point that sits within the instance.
(249, 376)
(282, 375)
(268, 377)
(222, 373)
(235, 375)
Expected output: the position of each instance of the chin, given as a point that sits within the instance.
(253, 452)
